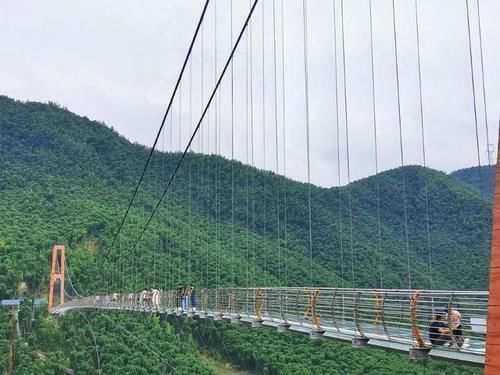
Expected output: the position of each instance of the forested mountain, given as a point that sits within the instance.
(482, 179)
(65, 179)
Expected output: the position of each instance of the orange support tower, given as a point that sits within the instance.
(57, 273)
(492, 361)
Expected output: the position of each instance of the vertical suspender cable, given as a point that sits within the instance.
(374, 107)
(481, 56)
(200, 166)
(473, 85)
(250, 29)
(170, 219)
(179, 204)
(264, 135)
(283, 106)
(337, 122)
(401, 138)
(172, 227)
(247, 160)
(232, 155)
(474, 99)
(276, 143)
(216, 151)
(156, 237)
(190, 201)
(163, 160)
(205, 158)
(348, 187)
(306, 86)
(421, 107)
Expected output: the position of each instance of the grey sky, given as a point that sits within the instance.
(117, 62)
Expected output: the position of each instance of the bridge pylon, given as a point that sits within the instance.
(57, 273)
(492, 361)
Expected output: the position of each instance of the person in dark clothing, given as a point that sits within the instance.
(439, 333)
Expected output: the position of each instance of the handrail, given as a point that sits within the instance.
(398, 317)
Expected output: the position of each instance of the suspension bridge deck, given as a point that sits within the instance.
(389, 319)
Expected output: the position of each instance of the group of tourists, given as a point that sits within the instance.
(446, 329)
(186, 298)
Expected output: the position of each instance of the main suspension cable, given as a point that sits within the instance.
(179, 78)
(198, 125)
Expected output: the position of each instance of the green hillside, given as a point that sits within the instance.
(66, 179)
(482, 179)
(75, 176)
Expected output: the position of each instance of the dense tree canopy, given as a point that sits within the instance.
(65, 179)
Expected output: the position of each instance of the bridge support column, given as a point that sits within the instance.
(283, 327)
(57, 274)
(203, 314)
(360, 342)
(492, 360)
(256, 323)
(218, 315)
(316, 334)
(416, 352)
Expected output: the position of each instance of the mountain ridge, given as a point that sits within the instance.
(45, 146)
(65, 179)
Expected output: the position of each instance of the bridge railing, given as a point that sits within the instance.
(402, 316)
(393, 315)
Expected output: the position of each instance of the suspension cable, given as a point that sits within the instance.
(179, 78)
(306, 86)
(276, 143)
(141, 342)
(348, 187)
(374, 108)
(398, 94)
(247, 160)
(165, 243)
(250, 32)
(283, 106)
(473, 85)
(198, 125)
(216, 152)
(426, 179)
(481, 56)
(232, 154)
(98, 357)
(177, 198)
(190, 224)
(264, 211)
(337, 122)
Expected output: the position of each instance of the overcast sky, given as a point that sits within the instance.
(117, 62)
